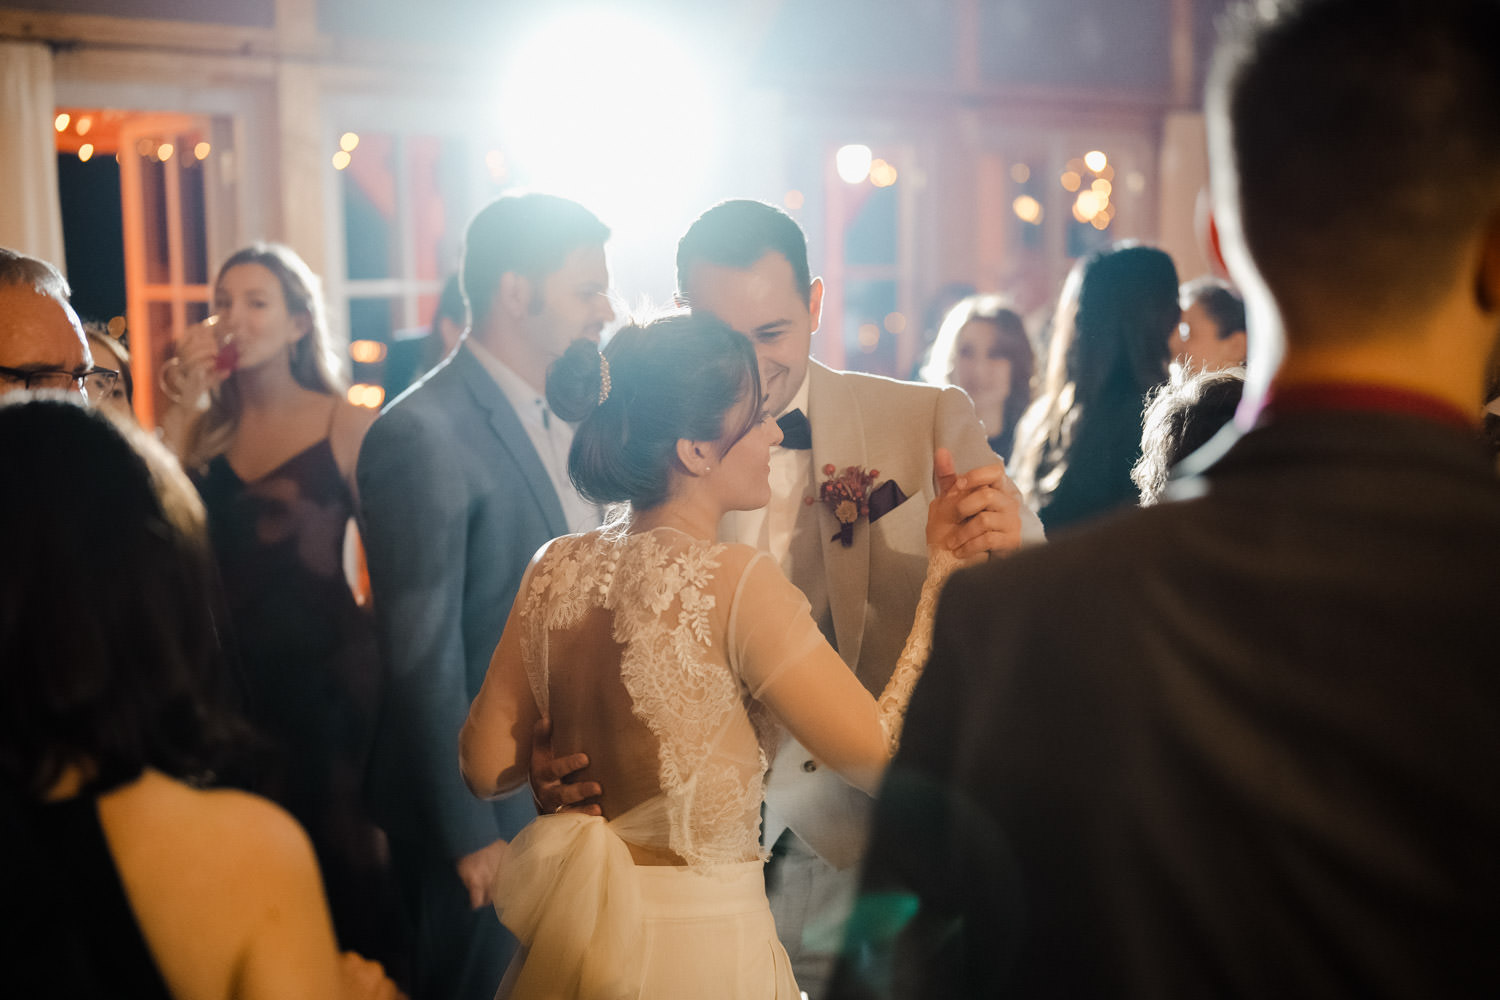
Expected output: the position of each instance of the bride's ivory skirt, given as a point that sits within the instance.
(595, 925)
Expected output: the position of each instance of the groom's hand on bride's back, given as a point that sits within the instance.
(552, 785)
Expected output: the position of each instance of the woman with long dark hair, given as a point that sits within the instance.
(1077, 443)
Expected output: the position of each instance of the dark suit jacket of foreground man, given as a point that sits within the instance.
(1241, 745)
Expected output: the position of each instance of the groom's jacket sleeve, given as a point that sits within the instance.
(414, 500)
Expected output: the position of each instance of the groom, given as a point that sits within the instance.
(746, 263)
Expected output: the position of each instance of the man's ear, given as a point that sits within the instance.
(514, 294)
(1235, 345)
(815, 302)
(694, 456)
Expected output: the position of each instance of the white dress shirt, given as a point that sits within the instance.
(771, 527)
(550, 435)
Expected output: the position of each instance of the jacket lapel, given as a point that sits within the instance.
(513, 437)
(838, 439)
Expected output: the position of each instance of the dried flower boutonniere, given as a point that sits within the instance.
(847, 494)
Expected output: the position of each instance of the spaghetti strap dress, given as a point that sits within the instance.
(308, 655)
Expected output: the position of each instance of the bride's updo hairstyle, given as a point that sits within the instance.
(673, 378)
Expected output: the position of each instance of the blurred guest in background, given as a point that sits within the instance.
(42, 345)
(110, 353)
(939, 304)
(272, 452)
(1181, 417)
(126, 877)
(1212, 331)
(414, 353)
(1076, 445)
(982, 348)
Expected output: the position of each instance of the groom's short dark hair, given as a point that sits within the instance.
(739, 232)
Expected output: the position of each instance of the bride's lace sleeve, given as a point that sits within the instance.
(893, 700)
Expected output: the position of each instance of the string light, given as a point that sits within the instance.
(853, 163)
(1027, 209)
(793, 200)
(85, 152)
(341, 160)
(164, 152)
(1020, 173)
(202, 150)
(367, 352)
(1095, 160)
(61, 121)
(348, 142)
(882, 174)
(366, 395)
(83, 125)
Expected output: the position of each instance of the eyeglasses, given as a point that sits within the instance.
(96, 383)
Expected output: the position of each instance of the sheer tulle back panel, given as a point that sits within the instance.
(592, 713)
(625, 638)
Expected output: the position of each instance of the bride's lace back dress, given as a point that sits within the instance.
(648, 651)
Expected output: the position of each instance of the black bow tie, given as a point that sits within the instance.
(796, 432)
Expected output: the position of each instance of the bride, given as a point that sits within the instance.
(670, 659)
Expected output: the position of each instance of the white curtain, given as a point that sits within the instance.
(30, 213)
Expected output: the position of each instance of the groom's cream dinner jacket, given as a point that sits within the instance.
(873, 584)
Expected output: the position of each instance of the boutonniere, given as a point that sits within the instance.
(847, 494)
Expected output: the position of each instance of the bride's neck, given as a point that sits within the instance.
(688, 509)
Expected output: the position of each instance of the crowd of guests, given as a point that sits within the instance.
(1241, 742)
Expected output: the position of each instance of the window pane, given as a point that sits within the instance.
(435, 167)
(154, 213)
(194, 228)
(871, 238)
(868, 345)
(371, 234)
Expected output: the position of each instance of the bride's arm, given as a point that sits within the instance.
(952, 520)
(494, 748)
(809, 688)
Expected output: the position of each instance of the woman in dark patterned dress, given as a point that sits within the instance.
(262, 424)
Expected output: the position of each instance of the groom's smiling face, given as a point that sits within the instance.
(762, 303)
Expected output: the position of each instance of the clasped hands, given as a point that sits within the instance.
(976, 513)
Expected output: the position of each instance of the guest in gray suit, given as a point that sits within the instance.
(462, 479)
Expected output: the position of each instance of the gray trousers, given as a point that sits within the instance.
(811, 901)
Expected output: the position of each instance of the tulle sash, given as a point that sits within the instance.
(569, 892)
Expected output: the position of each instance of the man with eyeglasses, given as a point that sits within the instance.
(42, 344)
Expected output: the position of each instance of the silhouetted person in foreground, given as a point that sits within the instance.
(1244, 743)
